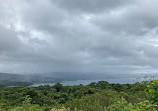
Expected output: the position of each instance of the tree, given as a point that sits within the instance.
(103, 84)
(58, 87)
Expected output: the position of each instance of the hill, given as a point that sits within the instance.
(8, 79)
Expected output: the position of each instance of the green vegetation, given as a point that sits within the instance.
(13, 83)
(101, 96)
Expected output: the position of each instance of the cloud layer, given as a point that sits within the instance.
(112, 36)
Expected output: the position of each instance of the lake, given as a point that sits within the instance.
(86, 82)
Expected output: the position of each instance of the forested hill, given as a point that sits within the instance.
(7, 79)
(100, 96)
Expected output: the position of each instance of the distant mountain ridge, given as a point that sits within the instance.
(8, 79)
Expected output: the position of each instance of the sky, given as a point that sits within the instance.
(108, 36)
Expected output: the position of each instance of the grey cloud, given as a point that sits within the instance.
(8, 39)
(137, 19)
(82, 36)
(90, 6)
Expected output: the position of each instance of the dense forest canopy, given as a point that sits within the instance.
(100, 96)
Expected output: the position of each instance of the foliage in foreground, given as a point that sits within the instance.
(100, 96)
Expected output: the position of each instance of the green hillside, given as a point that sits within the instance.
(101, 96)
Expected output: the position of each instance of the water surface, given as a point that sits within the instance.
(86, 82)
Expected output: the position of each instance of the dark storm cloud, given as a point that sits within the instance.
(116, 36)
(90, 6)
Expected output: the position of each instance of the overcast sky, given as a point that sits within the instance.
(110, 36)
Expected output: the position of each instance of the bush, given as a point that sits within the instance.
(95, 102)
